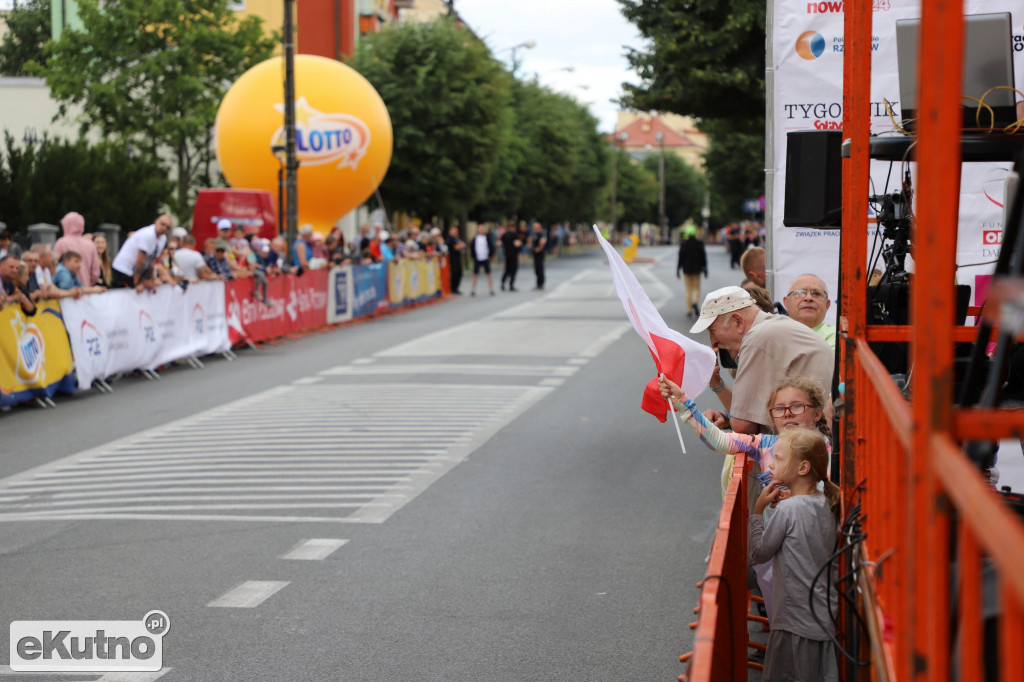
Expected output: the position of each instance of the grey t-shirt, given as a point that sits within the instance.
(776, 347)
(799, 539)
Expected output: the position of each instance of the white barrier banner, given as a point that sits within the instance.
(121, 330)
(340, 294)
(807, 56)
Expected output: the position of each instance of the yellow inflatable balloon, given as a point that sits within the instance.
(343, 137)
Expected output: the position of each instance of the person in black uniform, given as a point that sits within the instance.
(511, 242)
(456, 247)
(538, 245)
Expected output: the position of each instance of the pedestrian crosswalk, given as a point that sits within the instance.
(352, 444)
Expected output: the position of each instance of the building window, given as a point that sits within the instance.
(237, 5)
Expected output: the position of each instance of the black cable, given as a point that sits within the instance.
(851, 531)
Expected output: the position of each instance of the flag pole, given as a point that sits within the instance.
(675, 420)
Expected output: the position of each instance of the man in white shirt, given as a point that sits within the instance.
(139, 252)
(191, 263)
(482, 251)
(44, 271)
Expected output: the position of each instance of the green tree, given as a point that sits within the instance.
(636, 192)
(448, 102)
(107, 183)
(735, 169)
(28, 31)
(562, 172)
(152, 73)
(707, 60)
(684, 188)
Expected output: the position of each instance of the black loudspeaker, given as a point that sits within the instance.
(814, 179)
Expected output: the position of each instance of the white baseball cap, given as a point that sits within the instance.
(719, 302)
(223, 224)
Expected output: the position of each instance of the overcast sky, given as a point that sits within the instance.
(588, 35)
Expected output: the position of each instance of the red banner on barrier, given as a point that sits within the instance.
(292, 304)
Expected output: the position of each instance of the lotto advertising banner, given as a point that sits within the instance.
(35, 358)
(806, 61)
(370, 289)
(122, 330)
(292, 304)
(412, 281)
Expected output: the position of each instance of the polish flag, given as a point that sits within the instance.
(683, 360)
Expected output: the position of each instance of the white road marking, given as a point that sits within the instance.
(314, 549)
(249, 594)
(337, 451)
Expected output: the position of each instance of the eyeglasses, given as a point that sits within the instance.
(795, 409)
(819, 294)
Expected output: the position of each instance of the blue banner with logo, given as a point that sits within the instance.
(369, 289)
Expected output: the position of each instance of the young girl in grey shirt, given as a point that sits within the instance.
(799, 539)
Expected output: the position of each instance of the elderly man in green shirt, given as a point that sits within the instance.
(807, 302)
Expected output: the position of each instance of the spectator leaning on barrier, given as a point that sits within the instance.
(8, 247)
(767, 349)
(44, 271)
(66, 278)
(139, 252)
(191, 263)
(31, 260)
(302, 249)
(103, 253)
(74, 239)
(12, 293)
(807, 302)
(218, 262)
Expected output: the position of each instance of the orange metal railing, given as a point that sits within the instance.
(720, 643)
(936, 532)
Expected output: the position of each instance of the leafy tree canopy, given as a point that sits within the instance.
(707, 59)
(449, 107)
(28, 30)
(107, 183)
(153, 72)
(684, 189)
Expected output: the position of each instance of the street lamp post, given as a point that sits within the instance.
(280, 153)
(529, 45)
(623, 136)
(662, 218)
(292, 163)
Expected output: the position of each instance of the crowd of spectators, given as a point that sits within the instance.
(82, 262)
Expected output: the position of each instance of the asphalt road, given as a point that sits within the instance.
(464, 491)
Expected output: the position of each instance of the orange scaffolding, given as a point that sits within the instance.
(934, 530)
(929, 511)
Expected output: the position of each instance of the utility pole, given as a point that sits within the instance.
(291, 163)
(662, 220)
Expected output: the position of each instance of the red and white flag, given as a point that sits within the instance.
(683, 360)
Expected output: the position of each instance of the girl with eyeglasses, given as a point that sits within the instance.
(794, 403)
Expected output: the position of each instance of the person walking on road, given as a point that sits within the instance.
(538, 245)
(511, 243)
(483, 252)
(693, 260)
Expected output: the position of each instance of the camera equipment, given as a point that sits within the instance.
(894, 219)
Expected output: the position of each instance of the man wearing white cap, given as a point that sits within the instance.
(767, 349)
